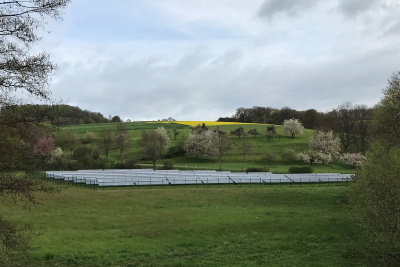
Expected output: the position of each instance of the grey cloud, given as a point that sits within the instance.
(270, 8)
(351, 8)
(147, 91)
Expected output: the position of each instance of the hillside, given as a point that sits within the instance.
(264, 154)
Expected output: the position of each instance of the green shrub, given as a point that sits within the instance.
(86, 151)
(289, 155)
(168, 165)
(268, 157)
(175, 151)
(304, 169)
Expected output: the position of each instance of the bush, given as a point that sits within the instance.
(268, 157)
(176, 151)
(304, 169)
(253, 169)
(88, 137)
(86, 151)
(289, 155)
(168, 165)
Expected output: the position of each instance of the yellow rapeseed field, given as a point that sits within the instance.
(207, 123)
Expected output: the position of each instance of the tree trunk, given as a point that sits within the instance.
(154, 164)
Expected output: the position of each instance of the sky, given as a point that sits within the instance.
(203, 59)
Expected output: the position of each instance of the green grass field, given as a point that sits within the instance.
(237, 226)
(233, 158)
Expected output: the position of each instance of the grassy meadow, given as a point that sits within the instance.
(274, 225)
(233, 158)
(236, 226)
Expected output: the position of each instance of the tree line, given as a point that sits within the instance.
(351, 123)
(61, 114)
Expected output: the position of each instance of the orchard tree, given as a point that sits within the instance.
(223, 144)
(122, 140)
(106, 139)
(238, 132)
(176, 132)
(22, 72)
(325, 142)
(154, 144)
(314, 156)
(254, 132)
(200, 144)
(292, 127)
(44, 146)
(246, 148)
(322, 148)
(271, 132)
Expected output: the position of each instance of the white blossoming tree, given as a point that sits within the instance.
(292, 127)
(201, 144)
(323, 148)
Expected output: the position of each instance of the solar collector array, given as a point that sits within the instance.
(141, 177)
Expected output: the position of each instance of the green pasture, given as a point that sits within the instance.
(233, 158)
(237, 226)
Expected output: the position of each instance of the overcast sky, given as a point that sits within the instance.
(202, 59)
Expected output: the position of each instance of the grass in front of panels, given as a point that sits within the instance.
(229, 226)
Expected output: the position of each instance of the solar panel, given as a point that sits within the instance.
(141, 177)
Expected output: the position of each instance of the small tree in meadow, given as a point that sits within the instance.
(223, 144)
(323, 148)
(154, 144)
(271, 132)
(238, 132)
(122, 140)
(200, 144)
(292, 127)
(106, 139)
(176, 132)
(246, 148)
(254, 132)
(44, 146)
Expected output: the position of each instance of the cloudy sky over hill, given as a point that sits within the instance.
(202, 59)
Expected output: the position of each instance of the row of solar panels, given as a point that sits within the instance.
(140, 177)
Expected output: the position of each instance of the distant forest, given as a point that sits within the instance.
(311, 119)
(60, 114)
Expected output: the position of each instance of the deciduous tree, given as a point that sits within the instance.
(238, 132)
(223, 144)
(246, 148)
(292, 127)
(254, 132)
(154, 144)
(200, 144)
(106, 139)
(44, 146)
(375, 195)
(22, 72)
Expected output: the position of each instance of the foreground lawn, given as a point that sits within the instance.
(237, 226)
